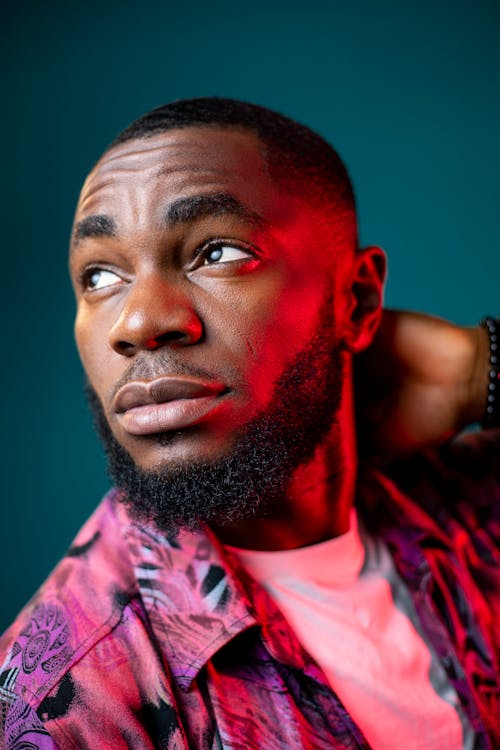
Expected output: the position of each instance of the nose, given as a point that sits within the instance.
(155, 313)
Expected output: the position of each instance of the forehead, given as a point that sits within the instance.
(179, 162)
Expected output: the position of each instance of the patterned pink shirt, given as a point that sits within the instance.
(141, 641)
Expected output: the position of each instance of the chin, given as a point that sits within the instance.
(177, 450)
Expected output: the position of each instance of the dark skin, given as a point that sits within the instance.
(422, 381)
(168, 281)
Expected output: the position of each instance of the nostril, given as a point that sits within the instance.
(123, 347)
(164, 338)
(168, 338)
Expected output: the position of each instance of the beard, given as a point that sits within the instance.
(256, 473)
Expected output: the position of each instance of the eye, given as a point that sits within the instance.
(99, 278)
(225, 254)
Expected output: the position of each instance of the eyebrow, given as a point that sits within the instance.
(194, 207)
(180, 211)
(97, 225)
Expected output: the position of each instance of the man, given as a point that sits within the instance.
(228, 595)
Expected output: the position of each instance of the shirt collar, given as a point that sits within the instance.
(193, 599)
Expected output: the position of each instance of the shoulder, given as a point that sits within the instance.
(80, 602)
(466, 468)
(475, 455)
(455, 486)
(83, 666)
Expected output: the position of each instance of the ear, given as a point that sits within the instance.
(364, 308)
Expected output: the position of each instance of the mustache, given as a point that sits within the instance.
(150, 367)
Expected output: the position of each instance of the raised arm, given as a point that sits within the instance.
(422, 381)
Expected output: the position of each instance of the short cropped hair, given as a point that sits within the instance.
(301, 160)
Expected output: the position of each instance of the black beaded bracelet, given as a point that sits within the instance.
(492, 410)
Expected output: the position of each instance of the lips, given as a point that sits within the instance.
(166, 403)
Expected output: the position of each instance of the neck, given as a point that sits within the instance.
(319, 496)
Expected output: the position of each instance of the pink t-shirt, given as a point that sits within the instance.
(354, 615)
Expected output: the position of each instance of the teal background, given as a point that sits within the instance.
(408, 92)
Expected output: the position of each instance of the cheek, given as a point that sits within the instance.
(80, 330)
(94, 351)
(291, 327)
(272, 327)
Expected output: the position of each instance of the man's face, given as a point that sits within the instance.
(199, 281)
